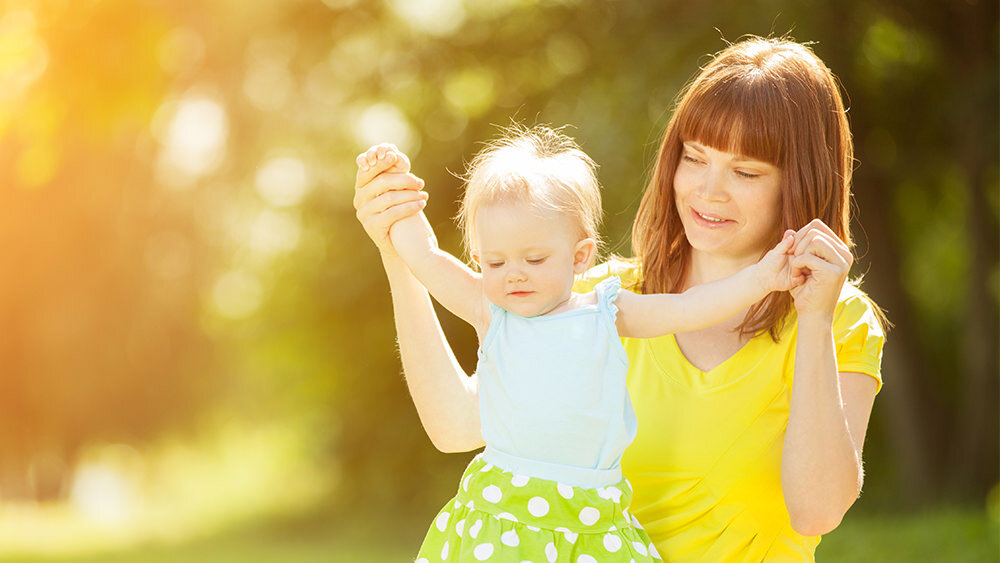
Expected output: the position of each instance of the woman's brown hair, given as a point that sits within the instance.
(772, 100)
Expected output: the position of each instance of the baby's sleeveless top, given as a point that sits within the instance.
(552, 395)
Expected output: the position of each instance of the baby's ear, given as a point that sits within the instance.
(475, 258)
(583, 255)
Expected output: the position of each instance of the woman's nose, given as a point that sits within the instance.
(713, 185)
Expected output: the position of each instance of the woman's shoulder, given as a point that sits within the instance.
(855, 306)
(626, 269)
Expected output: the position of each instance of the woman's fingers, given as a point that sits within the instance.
(378, 216)
(383, 183)
(388, 200)
(806, 239)
(384, 219)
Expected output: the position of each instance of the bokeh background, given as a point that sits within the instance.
(197, 356)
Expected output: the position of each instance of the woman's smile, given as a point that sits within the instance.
(710, 220)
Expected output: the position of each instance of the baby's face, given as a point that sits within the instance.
(528, 257)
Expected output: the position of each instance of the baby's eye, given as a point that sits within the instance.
(536, 261)
(494, 265)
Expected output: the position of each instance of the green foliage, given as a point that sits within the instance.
(179, 236)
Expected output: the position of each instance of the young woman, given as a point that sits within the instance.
(750, 431)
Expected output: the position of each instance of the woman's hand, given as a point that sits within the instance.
(823, 261)
(385, 192)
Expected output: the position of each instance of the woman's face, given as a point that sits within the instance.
(730, 205)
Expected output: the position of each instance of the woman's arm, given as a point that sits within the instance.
(446, 398)
(821, 469)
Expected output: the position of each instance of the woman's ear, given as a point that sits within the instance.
(583, 255)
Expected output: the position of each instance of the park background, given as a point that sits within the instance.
(197, 356)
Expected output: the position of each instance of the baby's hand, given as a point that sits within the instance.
(774, 268)
(384, 157)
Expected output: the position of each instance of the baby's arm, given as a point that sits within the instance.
(649, 316)
(453, 284)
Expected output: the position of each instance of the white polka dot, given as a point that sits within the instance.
(442, 521)
(460, 527)
(613, 528)
(565, 490)
(510, 538)
(474, 529)
(492, 493)
(465, 482)
(507, 516)
(612, 543)
(616, 494)
(483, 551)
(635, 522)
(457, 504)
(551, 553)
(486, 467)
(570, 535)
(470, 505)
(422, 560)
(519, 480)
(534, 528)
(589, 516)
(585, 559)
(603, 492)
(538, 507)
(444, 551)
(653, 552)
(641, 548)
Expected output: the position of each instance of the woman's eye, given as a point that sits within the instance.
(535, 261)
(691, 159)
(747, 175)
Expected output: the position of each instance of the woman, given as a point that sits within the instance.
(732, 462)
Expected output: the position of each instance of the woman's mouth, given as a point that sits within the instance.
(708, 220)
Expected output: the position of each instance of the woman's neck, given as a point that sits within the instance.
(705, 267)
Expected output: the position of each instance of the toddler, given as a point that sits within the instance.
(554, 409)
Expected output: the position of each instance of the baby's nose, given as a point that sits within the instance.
(516, 275)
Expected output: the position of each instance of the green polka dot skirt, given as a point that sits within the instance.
(502, 516)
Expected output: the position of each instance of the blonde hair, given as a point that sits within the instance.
(769, 99)
(541, 167)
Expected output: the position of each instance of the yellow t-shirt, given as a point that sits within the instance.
(706, 463)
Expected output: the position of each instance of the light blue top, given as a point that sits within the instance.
(552, 395)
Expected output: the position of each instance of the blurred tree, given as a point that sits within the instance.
(178, 233)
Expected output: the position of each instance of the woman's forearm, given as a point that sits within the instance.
(821, 470)
(446, 398)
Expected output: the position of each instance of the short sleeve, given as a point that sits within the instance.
(607, 293)
(858, 335)
(627, 270)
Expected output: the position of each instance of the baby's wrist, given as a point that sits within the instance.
(763, 281)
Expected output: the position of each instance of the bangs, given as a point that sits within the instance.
(739, 113)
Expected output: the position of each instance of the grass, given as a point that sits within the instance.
(946, 535)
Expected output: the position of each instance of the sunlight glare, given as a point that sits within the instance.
(384, 122)
(193, 133)
(283, 181)
(435, 17)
